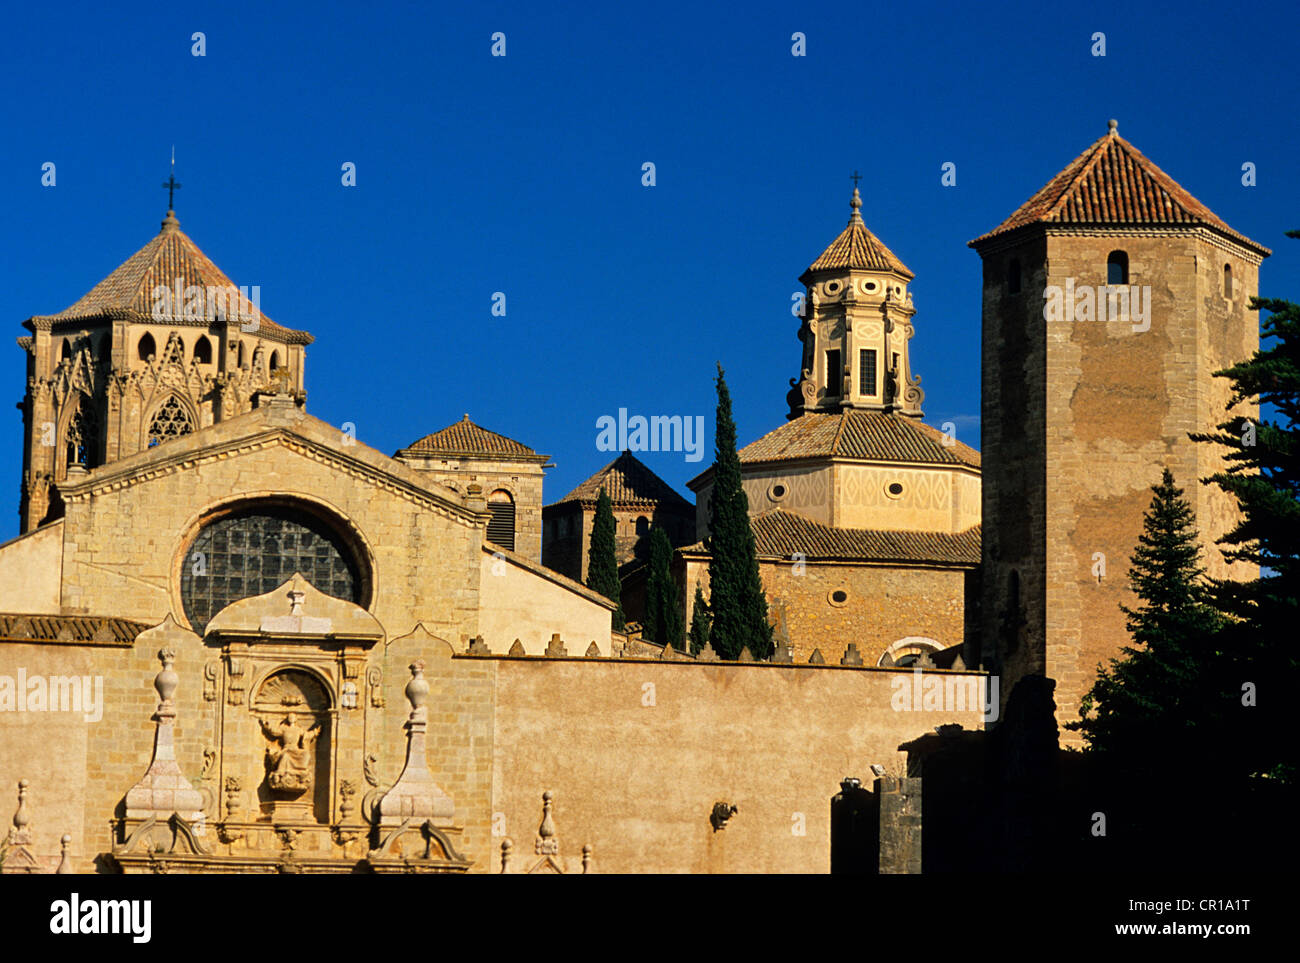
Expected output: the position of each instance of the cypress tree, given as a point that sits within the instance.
(700, 621)
(1261, 670)
(738, 604)
(663, 614)
(602, 560)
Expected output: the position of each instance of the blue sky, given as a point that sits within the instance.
(522, 174)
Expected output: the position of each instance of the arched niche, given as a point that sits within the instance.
(292, 717)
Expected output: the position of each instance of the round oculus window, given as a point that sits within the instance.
(839, 596)
(776, 492)
(894, 489)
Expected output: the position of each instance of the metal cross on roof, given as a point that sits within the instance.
(855, 177)
(171, 183)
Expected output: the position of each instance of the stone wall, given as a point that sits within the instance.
(1079, 419)
(883, 604)
(636, 752)
(1120, 406)
(30, 566)
(517, 598)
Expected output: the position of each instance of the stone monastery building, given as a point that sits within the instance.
(235, 639)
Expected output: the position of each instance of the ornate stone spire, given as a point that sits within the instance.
(163, 789)
(20, 835)
(16, 849)
(415, 794)
(65, 861)
(547, 844)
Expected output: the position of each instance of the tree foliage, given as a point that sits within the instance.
(737, 602)
(1262, 475)
(701, 621)
(663, 612)
(1162, 691)
(602, 558)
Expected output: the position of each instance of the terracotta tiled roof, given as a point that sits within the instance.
(1112, 182)
(857, 247)
(855, 433)
(779, 534)
(69, 629)
(628, 482)
(467, 438)
(170, 255)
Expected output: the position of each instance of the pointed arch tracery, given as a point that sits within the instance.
(171, 419)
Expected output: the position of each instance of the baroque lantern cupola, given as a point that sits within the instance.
(857, 321)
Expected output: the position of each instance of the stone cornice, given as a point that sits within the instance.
(1014, 239)
(852, 561)
(413, 454)
(118, 475)
(267, 332)
(820, 461)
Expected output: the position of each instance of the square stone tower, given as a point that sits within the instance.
(1109, 299)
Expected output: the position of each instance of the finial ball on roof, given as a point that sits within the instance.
(1113, 125)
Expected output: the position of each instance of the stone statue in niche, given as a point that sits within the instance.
(293, 712)
(289, 758)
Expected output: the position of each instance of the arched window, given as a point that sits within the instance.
(501, 525)
(170, 420)
(909, 651)
(1227, 280)
(275, 360)
(642, 525)
(67, 349)
(147, 349)
(254, 550)
(203, 350)
(81, 439)
(1117, 268)
(1013, 276)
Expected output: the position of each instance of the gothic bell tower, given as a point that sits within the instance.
(857, 322)
(164, 346)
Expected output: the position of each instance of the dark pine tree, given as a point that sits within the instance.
(1154, 718)
(663, 613)
(1262, 669)
(738, 604)
(1160, 692)
(700, 621)
(602, 559)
